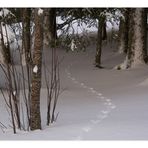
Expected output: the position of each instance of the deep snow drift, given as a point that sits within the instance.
(95, 104)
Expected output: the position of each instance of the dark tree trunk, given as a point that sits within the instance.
(52, 25)
(123, 32)
(136, 54)
(104, 32)
(50, 30)
(5, 52)
(101, 21)
(144, 24)
(26, 34)
(26, 23)
(35, 119)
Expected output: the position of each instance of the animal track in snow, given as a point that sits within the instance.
(113, 107)
(103, 113)
(78, 138)
(76, 82)
(102, 97)
(73, 79)
(103, 116)
(95, 121)
(69, 76)
(99, 94)
(91, 88)
(93, 91)
(108, 100)
(86, 129)
(82, 84)
(109, 103)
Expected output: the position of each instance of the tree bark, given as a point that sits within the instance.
(144, 24)
(35, 118)
(137, 54)
(52, 18)
(123, 32)
(26, 34)
(99, 42)
(50, 29)
(5, 48)
(27, 56)
(104, 32)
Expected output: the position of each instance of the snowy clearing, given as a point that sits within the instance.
(96, 104)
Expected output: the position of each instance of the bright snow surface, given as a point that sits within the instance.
(96, 104)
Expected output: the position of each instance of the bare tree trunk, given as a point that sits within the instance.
(137, 45)
(26, 34)
(123, 32)
(50, 30)
(5, 51)
(99, 42)
(53, 30)
(144, 24)
(104, 32)
(35, 119)
(136, 54)
(26, 39)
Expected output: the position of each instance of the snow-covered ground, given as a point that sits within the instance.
(96, 104)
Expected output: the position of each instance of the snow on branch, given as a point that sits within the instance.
(5, 12)
(40, 11)
(35, 69)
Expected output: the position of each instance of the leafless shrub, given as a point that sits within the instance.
(16, 81)
(52, 80)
